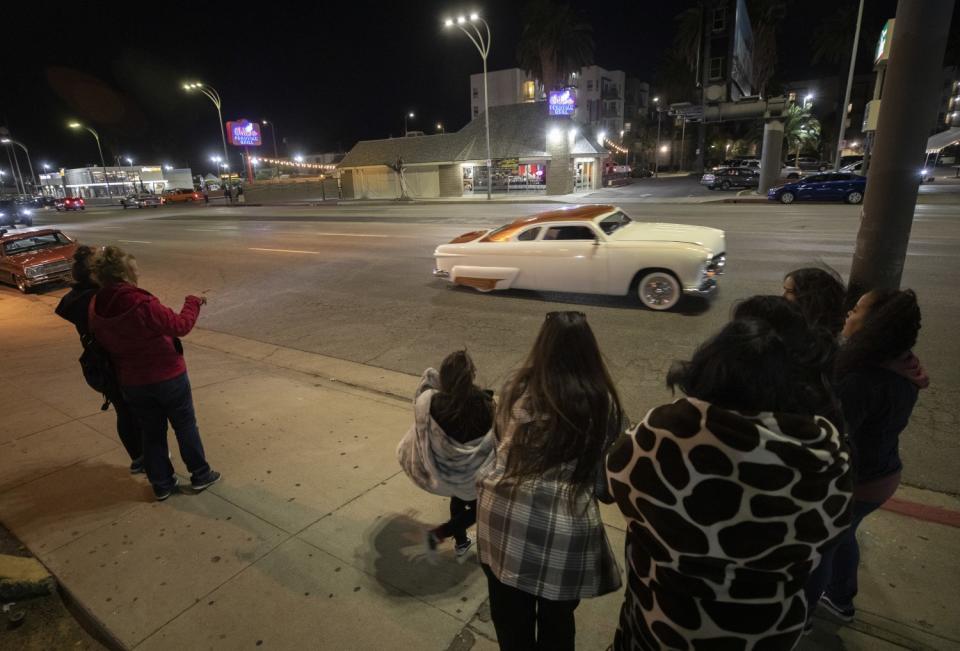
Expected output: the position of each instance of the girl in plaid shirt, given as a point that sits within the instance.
(541, 542)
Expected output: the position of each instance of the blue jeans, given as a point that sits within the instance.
(154, 405)
(837, 573)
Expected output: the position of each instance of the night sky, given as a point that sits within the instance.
(329, 74)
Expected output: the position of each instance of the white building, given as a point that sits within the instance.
(89, 182)
(511, 86)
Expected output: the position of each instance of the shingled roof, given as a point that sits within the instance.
(516, 131)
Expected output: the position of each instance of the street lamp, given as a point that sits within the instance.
(33, 177)
(406, 115)
(96, 136)
(211, 94)
(808, 100)
(656, 158)
(440, 127)
(276, 155)
(481, 40)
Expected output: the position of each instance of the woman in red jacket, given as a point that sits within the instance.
(140, 334)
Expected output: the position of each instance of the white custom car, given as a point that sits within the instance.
(592, 249)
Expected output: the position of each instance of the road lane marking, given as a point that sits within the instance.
(135, 242)
(207, 230)
(253, 248)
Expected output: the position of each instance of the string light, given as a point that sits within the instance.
(614, 146)
(289, 163)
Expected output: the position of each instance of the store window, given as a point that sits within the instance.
(716, 68)
(529, 90)
(589, 84)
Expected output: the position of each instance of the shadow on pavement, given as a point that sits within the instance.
(395, 554)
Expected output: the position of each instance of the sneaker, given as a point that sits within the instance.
(432, 541)
(462, 548)
(210, 479)
(163, 493)
(136, 466)
(841, 612)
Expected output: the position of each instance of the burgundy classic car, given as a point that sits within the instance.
(29, 258)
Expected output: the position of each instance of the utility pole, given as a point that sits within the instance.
(909, 108)
(703, 74)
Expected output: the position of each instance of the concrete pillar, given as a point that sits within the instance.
(770, 157)
(560, 172)
(911, 94)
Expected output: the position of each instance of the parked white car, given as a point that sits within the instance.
(593, 249)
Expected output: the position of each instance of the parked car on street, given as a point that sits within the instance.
(141, 201)
(830, 186)
(15, 211)
(807, 163)
(731, 177)
(35, 257)
(70, 203)
(641, 172)
(592, 249)
(180, 194)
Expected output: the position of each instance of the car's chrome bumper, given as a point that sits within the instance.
(440, 273)
(706, 289)
(58, 277)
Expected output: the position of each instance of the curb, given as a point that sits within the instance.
(924, 512)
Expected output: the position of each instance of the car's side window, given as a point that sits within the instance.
(528, 235)
(570, 233)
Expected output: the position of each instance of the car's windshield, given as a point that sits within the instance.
(34, 243)
(613, 222)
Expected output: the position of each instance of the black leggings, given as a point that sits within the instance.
(525, 622)
(462, 515)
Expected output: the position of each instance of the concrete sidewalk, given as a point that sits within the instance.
(314, 538)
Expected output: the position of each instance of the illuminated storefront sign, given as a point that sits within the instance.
(243, 133)
(562, 102)
(883, 45)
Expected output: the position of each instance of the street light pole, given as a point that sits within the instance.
(482, 42)
(846, 98)
(408, 114)
(656, 154)
(96, 136)
(211, 93)
(276, 154)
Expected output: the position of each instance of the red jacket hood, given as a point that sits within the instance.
(118, 301)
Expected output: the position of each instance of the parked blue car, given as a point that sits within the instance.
(830, 186)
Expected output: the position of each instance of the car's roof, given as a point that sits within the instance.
(11, 235)
(573, 213)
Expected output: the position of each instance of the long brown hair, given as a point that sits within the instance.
(571, 400)
(889, 330)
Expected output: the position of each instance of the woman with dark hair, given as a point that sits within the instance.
(142, 337)
(541, 542)
(449, 441)
(820, 294)
(729, 493)
(73, 307)
(878, 379)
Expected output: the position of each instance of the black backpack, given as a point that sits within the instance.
(98, 370)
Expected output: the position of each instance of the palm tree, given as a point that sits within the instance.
(555, 42)
(800, 130)
(767, 17)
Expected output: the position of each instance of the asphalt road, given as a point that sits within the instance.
(354, 282)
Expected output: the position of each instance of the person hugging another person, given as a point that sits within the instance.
(731, 492)
(820, 294)
(541, 542)
(449, 441)
(74, 307)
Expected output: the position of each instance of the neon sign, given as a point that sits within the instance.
(243, 133)
(561, 102)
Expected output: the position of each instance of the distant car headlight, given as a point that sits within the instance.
(924, 172)
(27, 211)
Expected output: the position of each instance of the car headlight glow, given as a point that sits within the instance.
(924, 172)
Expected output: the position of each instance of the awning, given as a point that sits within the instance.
(938, 141)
